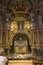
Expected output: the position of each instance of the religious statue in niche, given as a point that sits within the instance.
(20, 25)
(21, 44)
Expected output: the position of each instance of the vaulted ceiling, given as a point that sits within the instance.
(24, 8)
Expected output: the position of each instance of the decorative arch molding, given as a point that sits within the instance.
(24, 32)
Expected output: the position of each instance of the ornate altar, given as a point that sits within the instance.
(21, 48)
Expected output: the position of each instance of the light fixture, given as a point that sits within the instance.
(7, 19)
(33, 26)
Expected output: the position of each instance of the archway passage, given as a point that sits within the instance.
(20, 44)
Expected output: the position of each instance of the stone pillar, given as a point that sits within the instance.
(1, 30)
(38, 38)
(32, 42)
(7, 34)
(32, 38)
(37, 29)
(7, 38)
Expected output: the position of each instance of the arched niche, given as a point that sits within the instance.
(21, 44)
